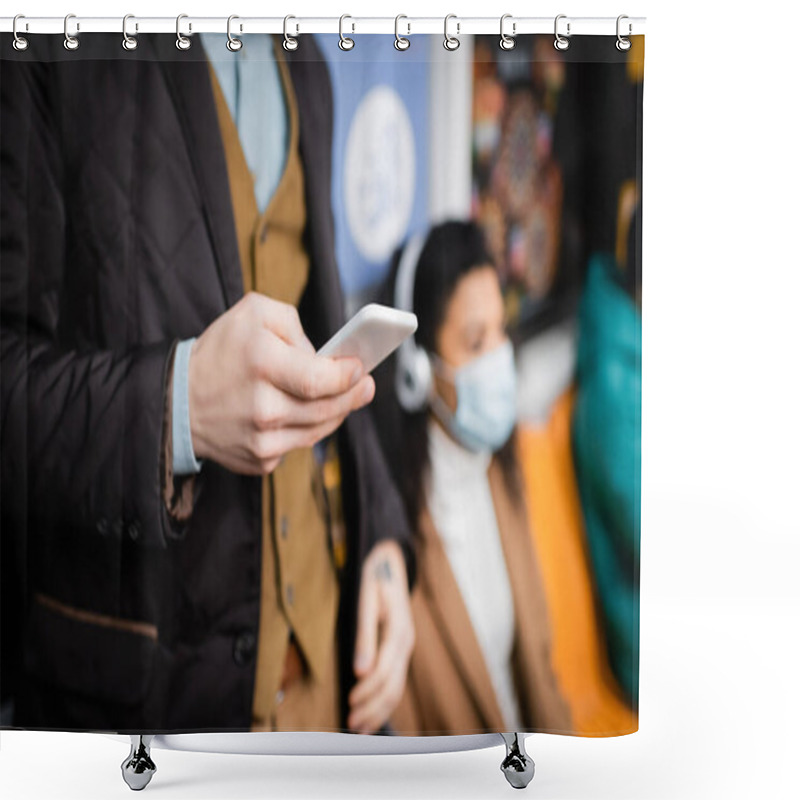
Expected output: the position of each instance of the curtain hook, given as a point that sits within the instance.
(233, 44)
(129, 42)
(345, 42)
(451, 42)
(182, 42)
(71, 42)
(561, 42)
(507, 42)
(401, 42)
(20, 42)
(623, 43)
(289, 42)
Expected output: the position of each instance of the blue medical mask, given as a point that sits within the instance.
(486, 408)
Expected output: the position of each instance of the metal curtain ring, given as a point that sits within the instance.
(507, 42)
(289, 42)
(233, 44)
(182, 42)
(70, 42)
(128, 42)
(451, 42)
(20, 42)
(400, 42)
(561, 42)
(345, 42)
(623, 43)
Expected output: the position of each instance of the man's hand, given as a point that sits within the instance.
(257, 389)
(384, 639)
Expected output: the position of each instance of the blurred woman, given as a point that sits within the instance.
(445, 411)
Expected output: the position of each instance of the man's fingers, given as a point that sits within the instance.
(293, 412)
(276, 443)
(308, 376)
(280, 318)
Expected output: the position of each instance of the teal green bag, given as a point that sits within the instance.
(606, 440)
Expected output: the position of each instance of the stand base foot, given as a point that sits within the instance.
(138, 768)
(517, 766)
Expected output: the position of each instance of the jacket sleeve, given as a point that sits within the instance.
(82, 428)
(178, 490)
(382, 508)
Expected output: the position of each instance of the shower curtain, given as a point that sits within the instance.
(207, 526)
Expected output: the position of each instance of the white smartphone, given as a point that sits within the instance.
(371, 335)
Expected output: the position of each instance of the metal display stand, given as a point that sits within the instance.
(139, 767)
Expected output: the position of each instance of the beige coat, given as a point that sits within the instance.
(449, 690)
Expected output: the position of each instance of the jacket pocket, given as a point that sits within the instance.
(100, 656)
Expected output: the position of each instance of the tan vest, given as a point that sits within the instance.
(299, 585)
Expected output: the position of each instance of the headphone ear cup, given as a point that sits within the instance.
(414, 377)
(424, 372)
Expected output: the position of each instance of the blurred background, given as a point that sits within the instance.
(543, 148)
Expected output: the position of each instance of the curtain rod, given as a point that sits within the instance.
(297, 25)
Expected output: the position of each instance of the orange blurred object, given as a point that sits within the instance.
(556, 521)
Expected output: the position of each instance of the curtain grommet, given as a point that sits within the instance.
(71, 42)
(451, 43)
(182, 42)
(561, 43)
(233, 44)
(290, 43)
(129, 42)
(623, 44)
(401, 43)
(20, 43)
(507, 42)
(345, 42)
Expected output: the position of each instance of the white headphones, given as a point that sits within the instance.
(414, 377)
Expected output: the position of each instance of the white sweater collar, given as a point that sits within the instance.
(450, 460)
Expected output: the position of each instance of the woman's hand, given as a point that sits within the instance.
(384, 638)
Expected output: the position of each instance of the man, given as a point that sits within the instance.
(155, 314)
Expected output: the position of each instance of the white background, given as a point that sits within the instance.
(720, 445)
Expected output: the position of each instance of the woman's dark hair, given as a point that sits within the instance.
(451, 251)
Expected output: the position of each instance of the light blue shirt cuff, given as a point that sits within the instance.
(183, 460)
